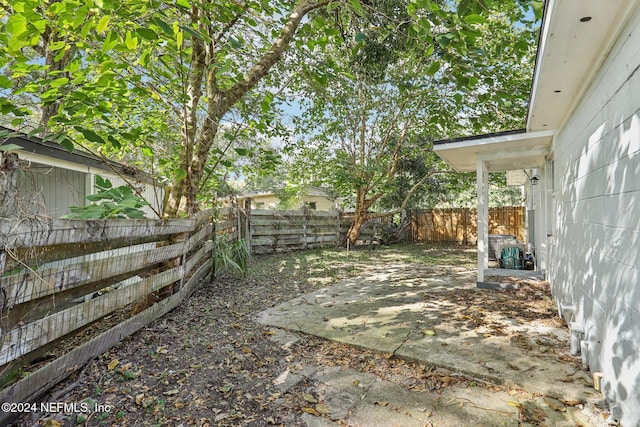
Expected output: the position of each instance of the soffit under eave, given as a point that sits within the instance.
(511, 152)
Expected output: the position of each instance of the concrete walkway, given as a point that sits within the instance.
(412, 312)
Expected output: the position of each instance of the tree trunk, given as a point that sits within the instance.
(194, 154)
(55, 67)
(361, 216)
(354, 230)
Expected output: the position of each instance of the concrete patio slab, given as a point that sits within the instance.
(409, 311)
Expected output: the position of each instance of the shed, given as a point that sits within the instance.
(51, 179)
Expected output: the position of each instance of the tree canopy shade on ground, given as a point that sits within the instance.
(164, 82)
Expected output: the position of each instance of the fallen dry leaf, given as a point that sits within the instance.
(220, 417)
(311, 411)
(309, 398)
(139, 398)
(554, 404)
(322, 408)
(112, 365)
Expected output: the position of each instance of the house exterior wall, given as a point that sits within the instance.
(152, 194)
(51, 190)
(322, 203)
(594, 246)
(49, 186)
(269, 201)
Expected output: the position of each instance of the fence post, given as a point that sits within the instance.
(247, 223)
(8, 184)
(465, 236)
(304, 227)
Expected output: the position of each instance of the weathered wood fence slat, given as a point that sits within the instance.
(38, 282)
(43, 231)
(143, 269)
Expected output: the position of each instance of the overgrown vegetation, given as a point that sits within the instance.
(230, 256)
(110, 202)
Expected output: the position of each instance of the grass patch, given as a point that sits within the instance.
(321, 267)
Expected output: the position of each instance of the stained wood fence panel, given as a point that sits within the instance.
(461, 225)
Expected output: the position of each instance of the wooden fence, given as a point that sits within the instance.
(61, 278)
(281, 231)
(460, 225)
(277, 231)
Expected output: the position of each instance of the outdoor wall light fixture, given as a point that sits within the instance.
(534, 180)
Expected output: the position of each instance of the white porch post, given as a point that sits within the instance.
(483, 218)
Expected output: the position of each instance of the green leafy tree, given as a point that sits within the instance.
(390, 94)
(164, 82)
(119, 69)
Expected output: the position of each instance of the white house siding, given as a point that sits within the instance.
(51, 190)
(594, 250)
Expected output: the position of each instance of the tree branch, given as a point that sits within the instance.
(230, 24)
(262, 67)
(406, 199)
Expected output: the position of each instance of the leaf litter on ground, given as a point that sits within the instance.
(208, 363)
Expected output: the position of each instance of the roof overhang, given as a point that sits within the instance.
(500, 152)
(50, 153)
(575, 38)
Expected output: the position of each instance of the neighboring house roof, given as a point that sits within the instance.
(40, 147)
(574, 41)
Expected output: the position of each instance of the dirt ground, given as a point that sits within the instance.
(208, 363)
